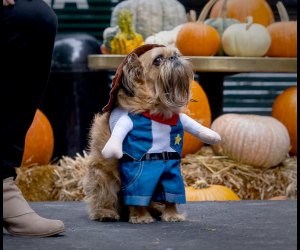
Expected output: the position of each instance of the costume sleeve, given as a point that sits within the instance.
(201, 132)
(120, 125)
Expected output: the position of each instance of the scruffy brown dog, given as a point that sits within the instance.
(135, 145)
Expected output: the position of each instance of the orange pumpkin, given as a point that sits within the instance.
(201, 191)
(199, 110)
(260, 10)
(198, 38)
(39, 141)
(284, 109)
(284, 35)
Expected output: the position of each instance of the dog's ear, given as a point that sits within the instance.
(133, 72)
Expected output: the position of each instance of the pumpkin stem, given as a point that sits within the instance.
(249, 22)
(205, 10)
(223, 12)
(192, 16)
(284, 17)
(200, 184)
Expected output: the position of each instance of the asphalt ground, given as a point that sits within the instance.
(230, 225)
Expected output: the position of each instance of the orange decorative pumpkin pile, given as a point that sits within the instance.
(260, 10)
(199, 110)
(283, 34)
(284, 109)
(198, 38)
(201, 191)
(39, 141)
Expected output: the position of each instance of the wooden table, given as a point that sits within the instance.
(212, 70)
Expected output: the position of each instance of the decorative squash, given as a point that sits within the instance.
(198, 38)
(285, 110)
(283, 34)
(198, 109)
(260, 141)
(260, 10)
(151, 17)
(125, 40)
(221, 23)
(201, 191)
(39, 141)
(246, 39)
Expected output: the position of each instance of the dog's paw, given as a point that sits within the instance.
(172, 217)
(106, 215)
(145, 219)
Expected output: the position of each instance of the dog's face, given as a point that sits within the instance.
(158, 81)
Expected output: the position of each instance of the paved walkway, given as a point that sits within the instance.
(239, 225)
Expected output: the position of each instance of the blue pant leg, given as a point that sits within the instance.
(139, 181)
(171, 186)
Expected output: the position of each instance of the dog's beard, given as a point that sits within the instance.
(173, 85)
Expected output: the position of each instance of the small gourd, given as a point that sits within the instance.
(221, 23)
(283, 34)
(108, 35)
(260, 141)
(125, 40)
(246, 39)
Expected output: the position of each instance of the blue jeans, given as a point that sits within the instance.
(157, 180)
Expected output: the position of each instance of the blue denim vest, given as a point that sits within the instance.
(139, 140)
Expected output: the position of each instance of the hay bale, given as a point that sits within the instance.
(36, 182)
(63, 181)
(69, 176)
(248, 182)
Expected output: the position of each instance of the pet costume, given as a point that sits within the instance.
(149, 149)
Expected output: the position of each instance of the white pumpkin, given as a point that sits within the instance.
(151, 16)
(246, 39)
(260, 141)
(167, 38)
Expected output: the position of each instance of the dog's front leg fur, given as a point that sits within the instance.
(102, 181)
(138, 215)
(170, 213)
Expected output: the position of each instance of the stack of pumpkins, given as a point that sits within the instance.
(234, 28)
(239, 28)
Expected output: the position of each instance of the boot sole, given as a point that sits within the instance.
(35, 235)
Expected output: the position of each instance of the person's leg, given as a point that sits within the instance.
(28, 33)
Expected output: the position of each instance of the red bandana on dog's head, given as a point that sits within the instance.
(116, 82)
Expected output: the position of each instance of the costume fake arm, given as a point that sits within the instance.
(201, 132)
(114, 146)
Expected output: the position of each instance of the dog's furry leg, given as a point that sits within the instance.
(170, 213)
(138, 215)
(102, 182)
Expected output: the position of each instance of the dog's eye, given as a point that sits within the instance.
(157, 61)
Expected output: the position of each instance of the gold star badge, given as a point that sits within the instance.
(177, 139)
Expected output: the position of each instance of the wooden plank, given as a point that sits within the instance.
(212, 63)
